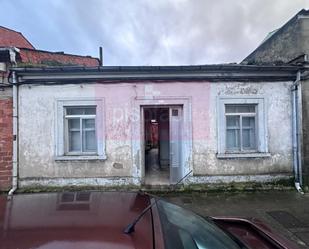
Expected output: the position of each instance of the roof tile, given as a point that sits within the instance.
(13, 38)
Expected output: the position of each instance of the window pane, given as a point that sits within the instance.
(89, 143)
(74, 124)
(74, 141)
(232, 122)
(89, 137)
(81, 110)
(230, 108)
(232, 139)
(248, 132)
(232, 132)
(90, 110)
(88, 123)
(74, 134)
(248, 122)
(240, 108)
(75, 111)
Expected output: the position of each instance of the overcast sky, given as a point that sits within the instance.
(150, 32)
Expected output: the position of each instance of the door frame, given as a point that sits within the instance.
(138, 155)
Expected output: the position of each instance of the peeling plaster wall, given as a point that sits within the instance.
(305, 126)
(37, 130)
(278, 123)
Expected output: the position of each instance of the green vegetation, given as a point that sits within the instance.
(281, 185)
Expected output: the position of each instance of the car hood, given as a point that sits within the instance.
(253, 233)
(74, 220)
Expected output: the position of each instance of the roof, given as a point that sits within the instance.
(29, 56)
(12, 38)
(47, 58)
(218, 72)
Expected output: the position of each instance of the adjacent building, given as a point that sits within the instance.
(290, 45)
(16, 50)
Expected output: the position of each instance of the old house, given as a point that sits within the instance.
(152, 125)
(111, 126)
(15, 50)
(290, 45)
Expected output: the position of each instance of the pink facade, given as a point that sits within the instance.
(121, 132)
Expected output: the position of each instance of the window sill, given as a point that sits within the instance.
(243, 155)
(80, 158)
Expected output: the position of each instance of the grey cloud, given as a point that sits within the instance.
(147, 32)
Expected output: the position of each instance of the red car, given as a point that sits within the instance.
(121, 220)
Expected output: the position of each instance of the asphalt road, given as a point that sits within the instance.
(285, 212)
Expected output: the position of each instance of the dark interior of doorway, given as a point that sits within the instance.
(157, 165)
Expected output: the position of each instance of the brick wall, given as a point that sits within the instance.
(6, 141)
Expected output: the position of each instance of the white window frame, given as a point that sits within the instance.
(80, 117)
(61, 153)
(261, 129)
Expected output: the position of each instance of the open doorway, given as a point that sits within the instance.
(157, 145)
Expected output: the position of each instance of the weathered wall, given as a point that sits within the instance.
(285, 45)
(6, 137)
(304, 39)
(37, 130)
(278, 123)
(37, 134)
(305, 126)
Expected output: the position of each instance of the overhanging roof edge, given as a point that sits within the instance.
(155, 72)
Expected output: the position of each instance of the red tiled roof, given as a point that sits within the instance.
(29, 55)
(47, 58)
(11, 38)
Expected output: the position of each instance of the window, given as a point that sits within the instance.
(80, 130)
(242, 127)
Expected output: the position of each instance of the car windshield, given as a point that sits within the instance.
(184, 229)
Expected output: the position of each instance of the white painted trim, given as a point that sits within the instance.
(261, 116)
(80, 158)
(236, 178)
(59, 126)
(243, 155)
(137, 149)
(66, 182)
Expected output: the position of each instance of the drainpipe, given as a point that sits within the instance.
(296, 135)
(15, 134)
(13, 51)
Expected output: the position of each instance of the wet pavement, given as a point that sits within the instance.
(285, 212)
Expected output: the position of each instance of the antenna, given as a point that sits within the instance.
(131, 227)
